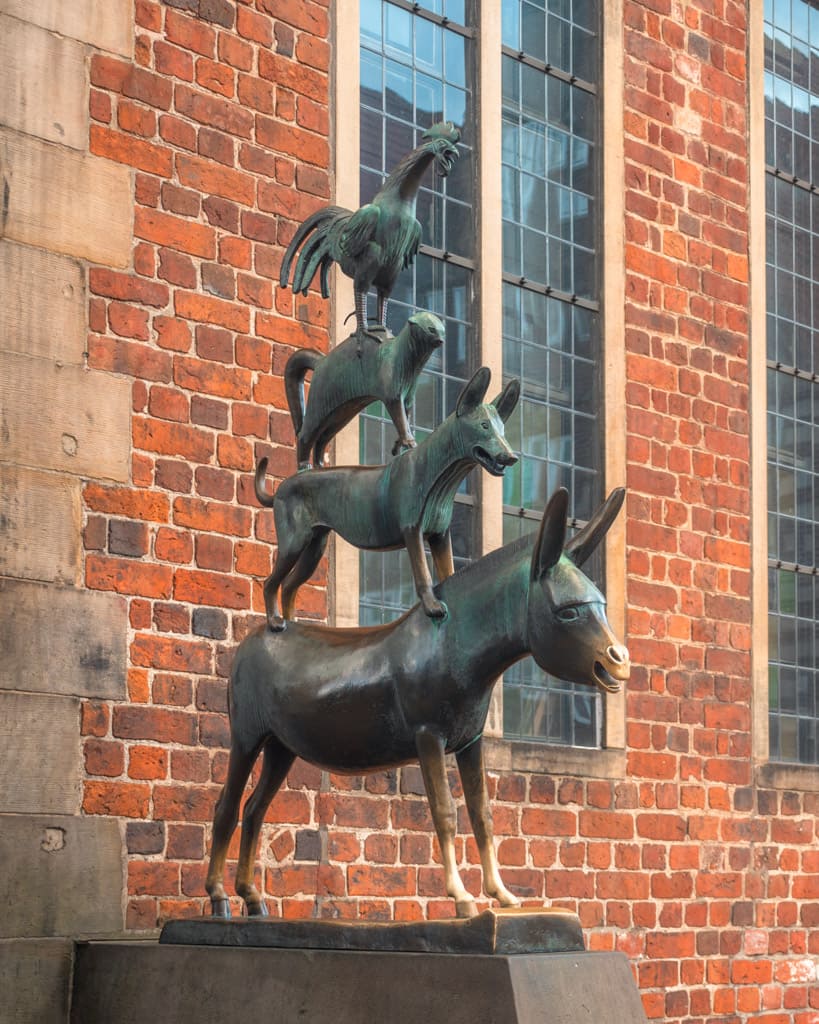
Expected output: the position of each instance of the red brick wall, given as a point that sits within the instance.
(224, 116)
(709, 883)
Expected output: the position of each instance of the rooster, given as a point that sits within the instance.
(374, 244)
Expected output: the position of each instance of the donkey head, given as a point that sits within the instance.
(480, 424)
(569, 635)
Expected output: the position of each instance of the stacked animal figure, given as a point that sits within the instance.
(361, 700)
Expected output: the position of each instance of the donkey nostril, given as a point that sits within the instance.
(618, 654)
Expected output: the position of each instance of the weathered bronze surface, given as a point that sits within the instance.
(359, 700)
(380, 508)
(353, 374)
(508, 931)
(374, 244)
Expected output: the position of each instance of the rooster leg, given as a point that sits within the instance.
(361, 320)
(383, 299)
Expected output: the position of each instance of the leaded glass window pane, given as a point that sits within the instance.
(551, 341)
(792, 248)
(414, 73)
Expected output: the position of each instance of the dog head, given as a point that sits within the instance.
(481, 424)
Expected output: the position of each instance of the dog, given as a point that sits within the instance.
(380, 508)
(355, 373)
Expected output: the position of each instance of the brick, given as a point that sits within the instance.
(215, 77)
(221, 181)
(175, 233)
(214, 112)
(127, 538)
(212, 378)
(215, 145)
(177, 269)
(170, 653)
(190, 34)
(206, 309)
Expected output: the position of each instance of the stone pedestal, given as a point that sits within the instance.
(145, 982)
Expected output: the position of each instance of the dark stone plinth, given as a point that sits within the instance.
(507, 931)
(145, 983)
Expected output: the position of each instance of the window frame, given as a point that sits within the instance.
(767, 773)
(607, 761)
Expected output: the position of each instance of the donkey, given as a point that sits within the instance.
(353, 374)
(380, 508)
(360, 700)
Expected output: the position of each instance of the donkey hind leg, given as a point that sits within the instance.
(473, 778)
(433, 767)
(275, 766)
(302, 571)
(225, 818)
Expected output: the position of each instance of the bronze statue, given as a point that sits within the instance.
(380, 508)
(359, 700)
(374, 244)
(351, 376)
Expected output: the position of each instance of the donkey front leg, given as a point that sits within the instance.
(430, 748)
(414, 542)
(470, 765)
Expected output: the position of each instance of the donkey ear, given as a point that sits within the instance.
(552, 535)
(586, 540)
(507, 399)
(474, 392)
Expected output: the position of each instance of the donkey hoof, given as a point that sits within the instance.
(257, 909)
(277, 624)
(466, 908)
(220, 907)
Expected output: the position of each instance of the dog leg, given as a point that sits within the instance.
(285, 560)
(302, 571)
(420, 571)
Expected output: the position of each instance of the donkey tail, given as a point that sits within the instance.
(302, 361)
(261, 493)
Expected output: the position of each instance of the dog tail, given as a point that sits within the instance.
(261, 492)
(302, 361)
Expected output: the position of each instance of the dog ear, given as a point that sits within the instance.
(507, 399)
(474, 392)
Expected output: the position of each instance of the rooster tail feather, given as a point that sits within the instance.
(320, 221)
(314, 252)
(302, 361)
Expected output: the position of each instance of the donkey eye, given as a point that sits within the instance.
(485, 424)
(568, 614)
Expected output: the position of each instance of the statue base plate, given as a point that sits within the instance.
(507, 931)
